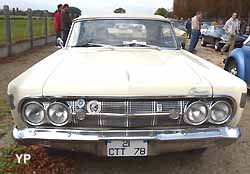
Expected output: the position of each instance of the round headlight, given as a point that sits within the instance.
(33, 113)
(220, 112)
(58, 114)
(196, 113)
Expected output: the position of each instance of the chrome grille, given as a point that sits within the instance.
(114, 107)
(134, 114)
(141, 107)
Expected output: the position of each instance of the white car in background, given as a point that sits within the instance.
(113, 92)
(204, 28)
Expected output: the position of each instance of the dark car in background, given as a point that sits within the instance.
(216, 36)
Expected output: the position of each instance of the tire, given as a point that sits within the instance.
(203, 42)
(231, 67)
(217, 46)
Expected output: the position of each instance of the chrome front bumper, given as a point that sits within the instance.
(159, 141)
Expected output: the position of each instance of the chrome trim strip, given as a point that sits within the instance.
(154, 110)
(130, 115)
(128, 106)
(161, 135)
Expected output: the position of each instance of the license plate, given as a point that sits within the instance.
(118, 148)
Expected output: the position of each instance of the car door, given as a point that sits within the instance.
(246, 51)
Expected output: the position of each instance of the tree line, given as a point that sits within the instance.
(74, 12)
(212, 9)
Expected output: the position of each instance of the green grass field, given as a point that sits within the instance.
(19, 29)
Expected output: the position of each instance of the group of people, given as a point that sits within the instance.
(232, 28)
(62, 22)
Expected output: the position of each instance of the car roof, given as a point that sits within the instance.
(122, 16)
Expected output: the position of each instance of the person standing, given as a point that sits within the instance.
(57, 22)
(66, 22)
(232, 28)
(243, 27)
(195, 34)
(189, 27)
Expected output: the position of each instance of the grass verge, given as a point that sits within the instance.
(40, 162)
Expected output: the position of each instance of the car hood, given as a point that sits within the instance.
(126, 72)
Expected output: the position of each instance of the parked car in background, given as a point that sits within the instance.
(238, 62)
(122, 86)
(180, 31)
(216, 36)
(204, 28)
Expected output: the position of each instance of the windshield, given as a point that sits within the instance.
(117, 32)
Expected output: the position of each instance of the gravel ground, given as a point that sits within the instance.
(233, 159)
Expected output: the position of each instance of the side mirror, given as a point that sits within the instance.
(59, 42)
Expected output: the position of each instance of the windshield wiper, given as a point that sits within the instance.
(131, 44)
(89, 44)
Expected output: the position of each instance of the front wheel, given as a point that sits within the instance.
(217, 46)
(231, 67)
(203, 42)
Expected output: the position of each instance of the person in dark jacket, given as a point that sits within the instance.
(57, 22)
(66, 22)
(189, 27)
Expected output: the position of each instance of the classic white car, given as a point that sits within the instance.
(125, 91)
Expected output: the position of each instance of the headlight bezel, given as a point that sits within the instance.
(57, 124)
(188, 106)
(25, 117)
(229, 117)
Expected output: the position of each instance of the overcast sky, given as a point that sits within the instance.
(94, 7)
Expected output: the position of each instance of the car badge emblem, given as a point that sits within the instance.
(94, 107)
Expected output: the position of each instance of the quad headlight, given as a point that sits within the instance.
(220, 112)
(33, 113)
(58, 114)
(196, 113)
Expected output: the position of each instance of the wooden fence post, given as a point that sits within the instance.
(46, 27)
(7, 28)
(30, 28)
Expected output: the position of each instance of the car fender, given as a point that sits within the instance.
(238, 56)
